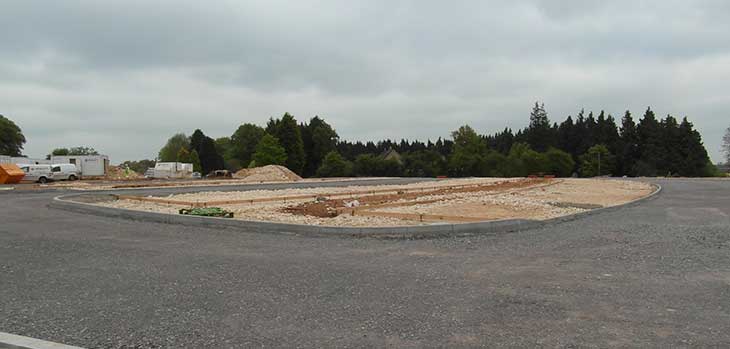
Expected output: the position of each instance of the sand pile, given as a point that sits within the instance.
(269, 173)
(118, 173)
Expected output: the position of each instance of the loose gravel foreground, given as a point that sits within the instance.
(652, 275)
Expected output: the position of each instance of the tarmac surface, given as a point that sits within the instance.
(652, 275)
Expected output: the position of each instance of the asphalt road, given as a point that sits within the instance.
(654, 275)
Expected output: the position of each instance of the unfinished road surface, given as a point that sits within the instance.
(657, 274)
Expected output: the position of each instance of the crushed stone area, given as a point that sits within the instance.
(567, 197)
(493, 199)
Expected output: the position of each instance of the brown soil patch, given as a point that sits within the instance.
(332, 208)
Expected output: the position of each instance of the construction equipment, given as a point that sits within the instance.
(10, 174)
(219, 174)
(207, 212)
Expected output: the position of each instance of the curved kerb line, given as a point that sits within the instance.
(9, 340)
(434, 230)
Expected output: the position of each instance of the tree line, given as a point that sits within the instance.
(299, 147)
(585, 145)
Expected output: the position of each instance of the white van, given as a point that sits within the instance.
(37, 173)
(62, 172)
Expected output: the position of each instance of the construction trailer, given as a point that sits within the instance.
(87, 165)
(4, 159)
(30, 161)
(172, 170)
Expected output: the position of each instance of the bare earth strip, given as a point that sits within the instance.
(491, 199)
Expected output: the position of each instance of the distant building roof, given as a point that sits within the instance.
(391, 154)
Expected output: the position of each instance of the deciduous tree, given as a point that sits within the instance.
(11, 138)
(334, 165)
(244, 142)
(269, 152)
(597, 161)
(168, 153)
(467, 157)
(189, 157)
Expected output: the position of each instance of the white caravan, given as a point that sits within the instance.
(87, 165)
(172, 170)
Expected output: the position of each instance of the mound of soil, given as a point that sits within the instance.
(118, 173)
(269, 173)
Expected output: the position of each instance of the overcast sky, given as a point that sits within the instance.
(123, 76)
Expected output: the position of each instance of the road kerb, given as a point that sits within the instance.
(14, 341)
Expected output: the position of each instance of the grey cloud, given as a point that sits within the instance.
(75, 72)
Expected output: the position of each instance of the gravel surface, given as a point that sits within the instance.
(543, 201)
(567, 197)
(653, 275)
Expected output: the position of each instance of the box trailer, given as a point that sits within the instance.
(87, 165)
(29, 161)
(172, 170)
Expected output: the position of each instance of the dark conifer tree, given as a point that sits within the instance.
(210, 160)
(628, 152)
(567, 137)
(289, 135)
(504, 141)
(318, 139)
(540, 132)
(196, 140)
(695, 160)
(607, 132)
(587, 134)
(671, 159)
(650, 145)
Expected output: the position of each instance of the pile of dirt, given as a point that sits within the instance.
(269, 173)
(117, 173)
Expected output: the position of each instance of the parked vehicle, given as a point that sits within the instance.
(197, 175)
(62, 172)
(172, 170)
(220, 174)
(87, 165)
(37, 173)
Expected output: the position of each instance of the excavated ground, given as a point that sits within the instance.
(331, 208)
